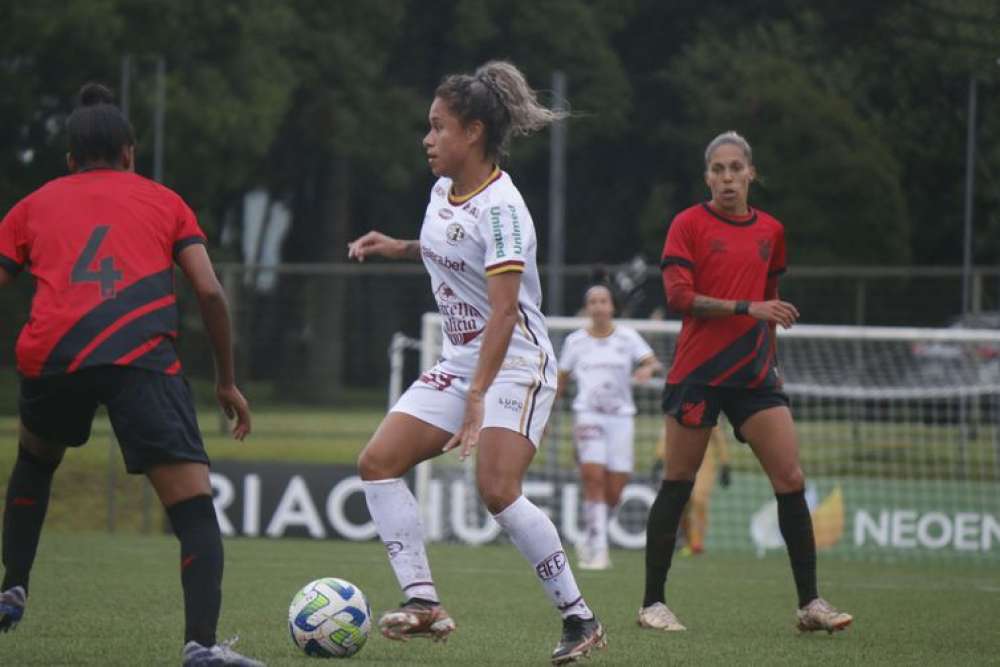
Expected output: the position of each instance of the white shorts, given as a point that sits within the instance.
(514, 403)
(605, 440)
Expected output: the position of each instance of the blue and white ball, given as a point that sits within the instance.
(329, 618)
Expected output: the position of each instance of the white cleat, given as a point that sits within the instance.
(416, 619)
(821, 615)
(659, 617)
(597, 560)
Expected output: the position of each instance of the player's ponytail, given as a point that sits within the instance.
(97, 129)
(500, 98)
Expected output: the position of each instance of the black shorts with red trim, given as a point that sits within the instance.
(699, 405)
(152, 414)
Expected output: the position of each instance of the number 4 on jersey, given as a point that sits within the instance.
(107, 276)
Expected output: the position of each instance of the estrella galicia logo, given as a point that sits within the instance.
(446, 213)
(393, 548)
(455, 233)
(552, 566)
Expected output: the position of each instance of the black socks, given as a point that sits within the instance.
(24, 513)
(797, 529)
(661, 536)
(197, 528)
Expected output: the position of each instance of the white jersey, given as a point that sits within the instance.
(603, 369)
(463, 241)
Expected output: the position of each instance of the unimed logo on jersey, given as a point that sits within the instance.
(497, 232)
(552, 566)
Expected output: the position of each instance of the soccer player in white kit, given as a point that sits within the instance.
(604, 358)
(495, 384)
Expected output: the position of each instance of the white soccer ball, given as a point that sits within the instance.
(329, 618)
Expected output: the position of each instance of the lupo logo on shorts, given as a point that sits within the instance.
(552, 566)
(393, 548)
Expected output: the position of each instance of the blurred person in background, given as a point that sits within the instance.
(604, 359)
(496, 382)
(101, 244)
(694, 521)
(721, 263)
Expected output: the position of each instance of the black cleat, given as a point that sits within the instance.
(11, 608)
(580, 637)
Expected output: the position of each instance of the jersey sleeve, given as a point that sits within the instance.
(188, 231)
(678, 249)
(567, 356)
(14, 251)
(640, 348)
(779, 262)
(506, 242)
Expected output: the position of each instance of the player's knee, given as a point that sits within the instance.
(39, 449)
(498, 494)
(788, 479)
(372, 467)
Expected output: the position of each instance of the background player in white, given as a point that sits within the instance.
(604, 358)
(495, 384)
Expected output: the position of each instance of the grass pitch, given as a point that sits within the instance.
(116, 600)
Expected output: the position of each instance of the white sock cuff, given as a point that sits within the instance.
(509, 513)
(391, 480)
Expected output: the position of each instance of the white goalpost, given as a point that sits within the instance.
(898, 432)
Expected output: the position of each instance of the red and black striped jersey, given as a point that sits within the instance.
(732, 259)
(101, 246)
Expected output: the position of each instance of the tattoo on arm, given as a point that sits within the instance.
(706, 306)
(411, 250)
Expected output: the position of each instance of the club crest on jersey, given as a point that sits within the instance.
(764, 249)
(717, 246)
(454, 234)
(446, 213)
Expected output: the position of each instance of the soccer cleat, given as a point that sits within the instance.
(658, 616)
(219, 655)
(11, 607)
(594, 560)
(417, 619)
(580, 637)
(820, 615)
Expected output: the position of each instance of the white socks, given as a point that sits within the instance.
(394, 509)
(595, 517)
(535, 536)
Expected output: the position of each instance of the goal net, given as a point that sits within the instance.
(898, 435)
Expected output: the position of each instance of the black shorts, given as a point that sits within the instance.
(699, 405)
(152, 414)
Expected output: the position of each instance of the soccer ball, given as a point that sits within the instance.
(329, 618)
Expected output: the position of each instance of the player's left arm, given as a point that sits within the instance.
(502, 290)
(14, 249)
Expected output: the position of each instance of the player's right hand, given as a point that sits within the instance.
(776, 311)
(375, 244)
(236, 407)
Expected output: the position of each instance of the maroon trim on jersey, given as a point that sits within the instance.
(82, 334)
(180, 244)
(670, 260)
(12, 267)
(752, 218)
(534, 339)
(142, 324)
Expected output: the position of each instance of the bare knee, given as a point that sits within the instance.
(498, 494)
(373, 466)
(788, 479)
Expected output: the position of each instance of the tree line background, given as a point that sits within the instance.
(857, 113)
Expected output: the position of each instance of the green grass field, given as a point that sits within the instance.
(100, 600)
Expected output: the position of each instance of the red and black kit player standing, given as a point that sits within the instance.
(721, 263)
(101, 244)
